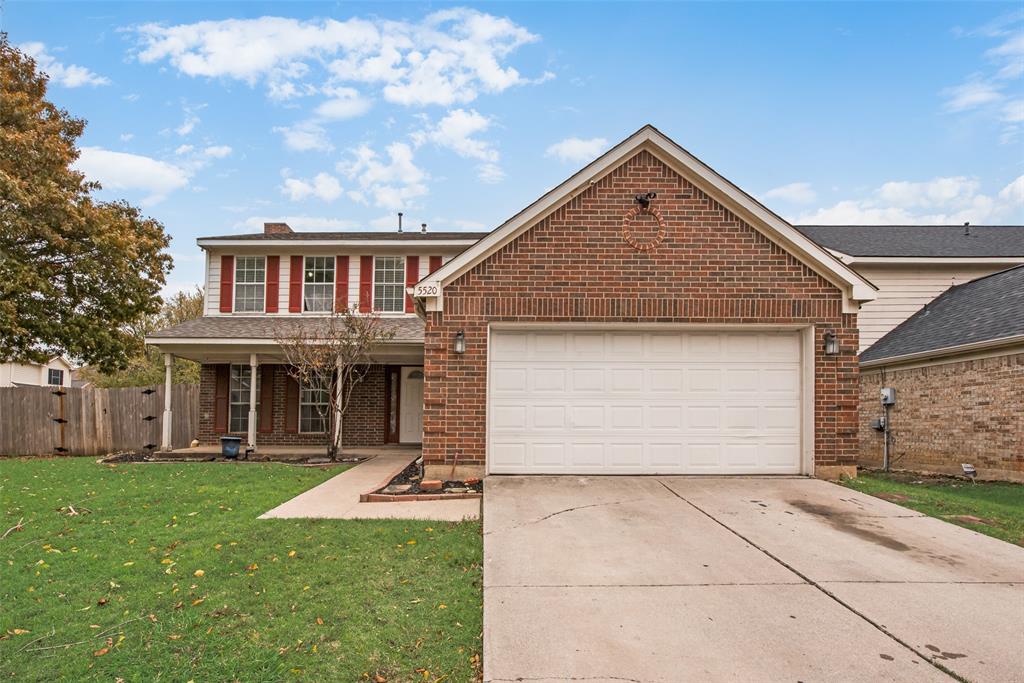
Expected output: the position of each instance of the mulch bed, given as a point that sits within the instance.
(145, 456)
(395, 490)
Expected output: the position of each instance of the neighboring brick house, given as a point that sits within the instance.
(957, 366)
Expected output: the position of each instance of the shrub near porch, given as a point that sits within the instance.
(168, 569)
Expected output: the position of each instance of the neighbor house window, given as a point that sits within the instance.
(318, 293)
(55, 377)
(315, 405)
(238, 413)
(389, 284)
(250, 283)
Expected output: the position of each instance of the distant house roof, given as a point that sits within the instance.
(981, 241)
(406, 328)
(982, 310)
(411, 236)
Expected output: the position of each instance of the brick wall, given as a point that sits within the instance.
(947, 414)
(364, 420)
(574, 265)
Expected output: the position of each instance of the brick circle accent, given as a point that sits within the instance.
(627, 231)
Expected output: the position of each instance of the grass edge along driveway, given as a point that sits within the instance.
(992, 508)
(165, 573)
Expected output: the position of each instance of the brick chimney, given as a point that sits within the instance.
(275, 228)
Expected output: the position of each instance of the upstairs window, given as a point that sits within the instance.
(250, 283)
(389, 284)
(55, 377)
(318, 287)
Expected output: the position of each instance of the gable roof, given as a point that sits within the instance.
(988, 309)
(649, 138)
(951, 241)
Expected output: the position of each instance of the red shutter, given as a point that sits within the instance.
(273, 283)
(340, 283)
(295, 285)
(412, 276)
(291, 404)
(266, 419)
(435, 263)
(227, 282)
(220, 398)
(365, 284)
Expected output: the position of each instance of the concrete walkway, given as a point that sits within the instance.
(739, 579)
(338, 497)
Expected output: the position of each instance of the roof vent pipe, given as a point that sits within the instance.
(399, 221)
(423, 228)
(967, 227)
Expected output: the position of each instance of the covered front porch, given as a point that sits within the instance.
(248, 390)
(298, 453)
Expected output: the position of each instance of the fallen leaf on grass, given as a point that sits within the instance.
(100, 652)
(19, 631)
(199, 572)
(291, 553)
(319, 621)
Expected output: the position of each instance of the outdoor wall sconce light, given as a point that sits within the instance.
(460, 342)
(831, 343)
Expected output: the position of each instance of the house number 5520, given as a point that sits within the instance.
(426, 290)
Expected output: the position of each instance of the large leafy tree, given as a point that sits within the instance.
(75, 274)
(147, 366)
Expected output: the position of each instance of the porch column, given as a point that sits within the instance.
(337, 407)
(253, 370)
(165, 437)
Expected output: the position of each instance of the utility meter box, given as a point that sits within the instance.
(888, 396)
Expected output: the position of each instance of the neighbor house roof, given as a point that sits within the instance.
(407, 329)
(951, 241)
(987, 310)
(391, 236)
(649, 138)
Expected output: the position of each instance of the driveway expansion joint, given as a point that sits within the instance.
(819, 586)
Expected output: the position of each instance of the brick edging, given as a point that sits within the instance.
(387, 480)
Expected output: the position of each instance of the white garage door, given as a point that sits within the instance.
(588, 402)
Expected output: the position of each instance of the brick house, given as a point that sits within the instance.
(645, 316)
(957, 367)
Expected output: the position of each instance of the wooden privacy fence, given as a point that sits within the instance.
(95, 421)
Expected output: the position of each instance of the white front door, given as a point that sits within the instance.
(410, 412)
(644, 402)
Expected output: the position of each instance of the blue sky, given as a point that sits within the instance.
(218, 116)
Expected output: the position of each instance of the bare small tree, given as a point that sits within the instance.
(332, 355)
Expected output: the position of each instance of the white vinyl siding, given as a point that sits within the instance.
(904, 289)
(250, 284)
(644, 402)
(389, 284)
(318, 284)
(314, 406)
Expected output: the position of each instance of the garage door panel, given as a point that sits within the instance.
(665, 402)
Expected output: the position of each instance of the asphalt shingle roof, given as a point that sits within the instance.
(406, 328)
(412, 236)
(991, 307)
(919, 240)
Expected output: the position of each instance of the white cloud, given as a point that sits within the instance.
(345, 103)
(68, 75)
(183, 149)
(795, 193)
(127, 137)
(458, 131)
(323, 186)
(391, 184)
(305, 136)
(449, 57)
(298, 222)
(121, 171)
(577, 150)
(217, 151)
(987, 91)
(948, 201)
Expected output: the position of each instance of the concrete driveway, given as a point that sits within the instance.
(739, 579)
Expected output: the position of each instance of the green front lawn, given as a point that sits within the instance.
(998, 505)
(167, 574)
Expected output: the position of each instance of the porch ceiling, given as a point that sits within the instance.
(267, 352)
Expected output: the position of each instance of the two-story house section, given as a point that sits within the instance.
(259, 286)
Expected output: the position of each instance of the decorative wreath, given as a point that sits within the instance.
(627, 230)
